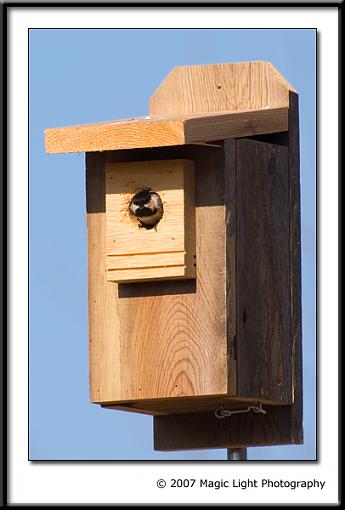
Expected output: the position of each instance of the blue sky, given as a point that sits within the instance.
(81, 76)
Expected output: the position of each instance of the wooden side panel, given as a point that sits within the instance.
(296, 411)
(220, 87)
(264, 347)
(166, 339)
(231, 259)
(104, 350)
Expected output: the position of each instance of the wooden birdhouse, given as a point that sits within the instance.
(193, 217)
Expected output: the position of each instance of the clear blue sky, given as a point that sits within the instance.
(80, 76)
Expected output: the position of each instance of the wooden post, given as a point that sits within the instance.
(236, 454)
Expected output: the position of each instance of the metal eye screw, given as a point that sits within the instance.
(221, 413)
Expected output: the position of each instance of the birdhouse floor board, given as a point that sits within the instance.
(182, 405)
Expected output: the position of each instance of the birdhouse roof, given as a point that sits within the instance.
(193, 105)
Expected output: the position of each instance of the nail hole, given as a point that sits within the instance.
(219, 87)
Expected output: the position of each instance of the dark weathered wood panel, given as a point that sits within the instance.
(204, 430)
(295, 271)
(264, 347)
(231, 270)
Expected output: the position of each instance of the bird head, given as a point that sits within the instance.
(147, 206)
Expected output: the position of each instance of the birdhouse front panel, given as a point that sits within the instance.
(155, 343)
(150, 220)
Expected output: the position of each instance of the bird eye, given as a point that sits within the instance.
(140, 201)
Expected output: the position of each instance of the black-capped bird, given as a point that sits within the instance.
(147, 206)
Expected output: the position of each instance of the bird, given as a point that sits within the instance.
(147, 207)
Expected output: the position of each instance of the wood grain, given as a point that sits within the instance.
(160, 272)
(296, 411)
(264, 347)
(231, 260)
(181, 405)
(281, 424)
(167, 251)
(220, 87)
(133, 409)
(235, 125)
(203, 430)
(161, 132)
(233, 335)
(167, 339)
(104, 352)
(145, 260)
(113, 135)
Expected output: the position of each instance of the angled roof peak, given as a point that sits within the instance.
(221, 88)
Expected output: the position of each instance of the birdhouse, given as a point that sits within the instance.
(193, 218)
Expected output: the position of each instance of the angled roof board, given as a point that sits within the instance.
(193, 104)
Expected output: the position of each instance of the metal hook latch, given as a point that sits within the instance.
(220, 412)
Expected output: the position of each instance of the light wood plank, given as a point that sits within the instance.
(136, 274)
(142, 260)
(166, 131)
(183, 329)
(114, 135)
(169, 338)
(104, 352)
(132, 409)
(220, 87)
(180, 405)
(129, 247)
(236, 125)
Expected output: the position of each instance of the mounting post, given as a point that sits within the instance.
(236, 453)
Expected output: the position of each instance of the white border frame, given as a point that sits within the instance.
(135, 483)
